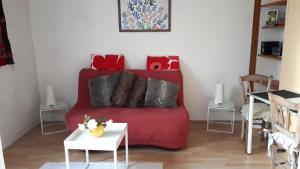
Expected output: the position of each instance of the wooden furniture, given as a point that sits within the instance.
(229, 106)
(110, 141)
(281, 135)
(275, 3)
(252, 81)
(263, 97)
(256, 31)
(59, 107)
(270, 56)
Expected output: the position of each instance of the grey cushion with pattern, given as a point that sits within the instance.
(161, 93)
(101, 89)
(137, 95)
(121, 92)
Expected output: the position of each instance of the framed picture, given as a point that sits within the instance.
(272, 17)
(144, 15)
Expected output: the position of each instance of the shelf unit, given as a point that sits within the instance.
(274, 57)
(259, 7)
(276, 3)
(280, 26)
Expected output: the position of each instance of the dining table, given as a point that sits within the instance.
(264, 97)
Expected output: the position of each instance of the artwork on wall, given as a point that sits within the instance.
(144, 15)
(5, 50)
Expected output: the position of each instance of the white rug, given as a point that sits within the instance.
(102, 165)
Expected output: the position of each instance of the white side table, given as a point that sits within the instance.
(110, 141)
(229, 106)
(44, 108)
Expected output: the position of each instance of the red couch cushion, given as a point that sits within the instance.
(160, 127)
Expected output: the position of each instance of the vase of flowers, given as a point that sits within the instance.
(95, 127)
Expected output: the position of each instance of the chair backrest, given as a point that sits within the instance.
(250, 83)
(282, 112)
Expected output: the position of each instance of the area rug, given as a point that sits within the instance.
(102, 165)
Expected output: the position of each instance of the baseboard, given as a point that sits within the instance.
(15, 137)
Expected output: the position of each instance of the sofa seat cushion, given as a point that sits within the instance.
(161, 127)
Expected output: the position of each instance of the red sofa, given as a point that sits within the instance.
(162, 127)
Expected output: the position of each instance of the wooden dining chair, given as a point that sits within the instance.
(254, 83)
(285, 132)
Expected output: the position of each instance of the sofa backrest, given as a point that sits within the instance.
(86, 74)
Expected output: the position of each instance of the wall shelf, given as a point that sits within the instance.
(281, 26)
(275, 57)
(276, 3)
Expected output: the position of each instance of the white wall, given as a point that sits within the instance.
(19, 97)
(290, 64)
(212, 38)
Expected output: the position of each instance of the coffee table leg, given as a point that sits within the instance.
(67, 158)
(126, 147)
(115, 158)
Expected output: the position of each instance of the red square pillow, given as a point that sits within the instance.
(108, 62)
(163, 63)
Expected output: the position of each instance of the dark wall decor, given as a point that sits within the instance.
(144, 15)
(5, 50)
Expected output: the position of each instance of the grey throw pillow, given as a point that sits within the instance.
(101, 89)
(137, 95)
(161, 93)
(121, 92)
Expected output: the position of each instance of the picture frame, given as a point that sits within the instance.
(144, 15)
(272, 17)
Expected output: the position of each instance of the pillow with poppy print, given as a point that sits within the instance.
(108, 62)
(163, 63)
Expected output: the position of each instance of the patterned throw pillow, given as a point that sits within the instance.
(137, 95)
(163, 63)
(101, 89)
(122, 89)
(108, 62)
(161, 93)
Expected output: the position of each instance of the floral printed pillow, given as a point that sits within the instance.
(108, 62)
(163, 63)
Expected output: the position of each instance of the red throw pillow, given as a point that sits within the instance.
(108, 62)
(163, 63)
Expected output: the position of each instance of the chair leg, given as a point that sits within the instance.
(274, 156)
(262, 134)
(297, 159)
(243, 129)
(293, 160)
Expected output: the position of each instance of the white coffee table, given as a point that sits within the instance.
(110, 141)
